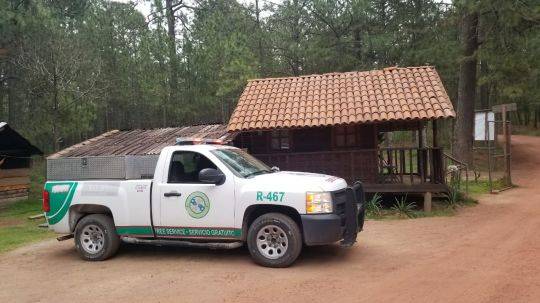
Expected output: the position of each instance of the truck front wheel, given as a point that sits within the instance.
(96, 238)
(274, 240)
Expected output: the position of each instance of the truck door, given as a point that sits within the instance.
(192, 209)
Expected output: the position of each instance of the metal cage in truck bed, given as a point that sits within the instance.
(124, 154)
(102, 167)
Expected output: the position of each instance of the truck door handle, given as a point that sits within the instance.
(172, 194)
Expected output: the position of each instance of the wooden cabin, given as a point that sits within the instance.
(15, 164)
(333, 124)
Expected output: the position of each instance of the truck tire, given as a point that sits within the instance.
(96, 238)
(274, 240)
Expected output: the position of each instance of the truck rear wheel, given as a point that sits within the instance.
(96, 238)
(274, 240)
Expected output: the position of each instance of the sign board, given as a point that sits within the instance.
(510, 107)
(481, 120)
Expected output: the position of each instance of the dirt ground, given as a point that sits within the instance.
(488, 253)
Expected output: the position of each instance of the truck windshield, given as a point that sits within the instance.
(241, 162)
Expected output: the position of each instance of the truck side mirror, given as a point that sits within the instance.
(211, 176)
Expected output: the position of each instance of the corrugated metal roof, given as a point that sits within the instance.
(141, 141)
(396, 93)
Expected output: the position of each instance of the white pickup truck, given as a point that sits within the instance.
(208, 195)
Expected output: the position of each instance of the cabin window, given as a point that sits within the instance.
(346, 136)
(280, 140)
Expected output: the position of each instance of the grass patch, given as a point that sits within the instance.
(482, 186)
(15, 228)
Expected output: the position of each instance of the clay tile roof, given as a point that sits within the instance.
(141, 141)
(395, 93)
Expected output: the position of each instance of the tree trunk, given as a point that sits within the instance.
(527, 115)
(55, 116)
(173, 66)
(295, 61)
(112, 98)
(358, 43)
(11, 100)
(463, 132)
(2, 106)
(536, 114)
(484, 70)
(484, 88)
(260, 50)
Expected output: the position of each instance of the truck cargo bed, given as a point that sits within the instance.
(102, 167)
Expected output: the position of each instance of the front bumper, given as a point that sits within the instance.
(321, 229)
(344, 224)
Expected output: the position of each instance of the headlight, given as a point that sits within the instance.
(318, 203)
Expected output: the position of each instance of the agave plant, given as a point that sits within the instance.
(373, 205)
(403, 208)
(453, 197)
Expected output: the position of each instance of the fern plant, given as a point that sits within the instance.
(403, 208)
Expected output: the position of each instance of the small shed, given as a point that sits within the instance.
(124, 154)
(333, 123)
(15, 164)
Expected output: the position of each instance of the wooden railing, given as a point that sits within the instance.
(373, 166)
(410, 165)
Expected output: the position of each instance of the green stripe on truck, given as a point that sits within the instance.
(134, 230)
(187, 232)
(60, 195)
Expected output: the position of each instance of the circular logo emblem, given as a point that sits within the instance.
(197, 205)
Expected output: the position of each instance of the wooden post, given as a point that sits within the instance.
(508, 154)
(487, 131)
(351, 155)
(422, 165)
(411, 170)
(506, 148)
(503, 113)
(427, 202)
(435, 135)
(375, 137)
(388, 137)
(424, 136)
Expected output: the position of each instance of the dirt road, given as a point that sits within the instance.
(488, 253)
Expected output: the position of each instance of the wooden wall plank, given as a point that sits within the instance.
(14, 180)
(18, 172)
